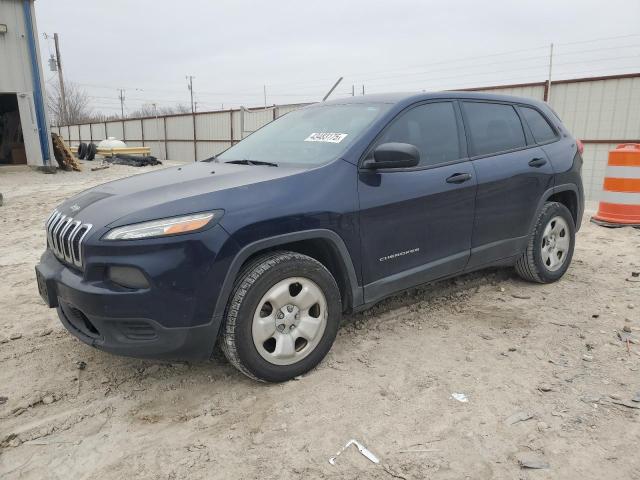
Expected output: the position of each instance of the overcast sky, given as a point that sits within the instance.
(299, 48)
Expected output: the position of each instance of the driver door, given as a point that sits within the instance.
(416, 223)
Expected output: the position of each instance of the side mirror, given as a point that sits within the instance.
(393, 155)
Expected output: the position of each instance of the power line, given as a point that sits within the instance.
(454, 69)
(527, 79)
(475, 57)
(465, 67)
(496, 72)
(601, 39)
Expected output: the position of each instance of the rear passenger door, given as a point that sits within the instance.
(416, 222)
(512, 173)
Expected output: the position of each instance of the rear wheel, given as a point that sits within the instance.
(550, 247)
(282, 317)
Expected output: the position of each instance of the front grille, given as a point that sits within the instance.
(65, 236)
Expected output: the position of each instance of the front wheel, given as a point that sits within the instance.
(282, 317)
(550, 247)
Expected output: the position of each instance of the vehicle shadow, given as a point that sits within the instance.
(434, 291)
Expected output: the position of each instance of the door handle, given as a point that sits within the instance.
(538, 162)
(459, 178)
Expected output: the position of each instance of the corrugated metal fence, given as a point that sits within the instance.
(602, 112)
(181, 138)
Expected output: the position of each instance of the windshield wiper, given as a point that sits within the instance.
(252, 162)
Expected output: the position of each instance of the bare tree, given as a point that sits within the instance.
(148, 110)
(78, 109)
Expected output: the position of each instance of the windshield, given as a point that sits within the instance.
(307, 137)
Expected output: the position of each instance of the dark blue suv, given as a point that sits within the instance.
(326, 210)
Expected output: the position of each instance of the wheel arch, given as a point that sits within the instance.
(323, 245)
(567, 195)
(569, 198)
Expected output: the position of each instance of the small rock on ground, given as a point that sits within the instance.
(518, 417)
(531, 460)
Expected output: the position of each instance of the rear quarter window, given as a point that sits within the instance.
(540, 128)
(493, 127)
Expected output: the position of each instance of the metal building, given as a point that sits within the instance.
(24, 132)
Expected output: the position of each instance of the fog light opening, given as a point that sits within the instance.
(127, 277)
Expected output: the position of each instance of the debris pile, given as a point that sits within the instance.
(64, 156)
(133, 160)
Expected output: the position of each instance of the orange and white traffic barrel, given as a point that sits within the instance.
(620, 199)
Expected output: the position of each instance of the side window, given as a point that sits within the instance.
(540, 128)
(493, 127)
(432, 128)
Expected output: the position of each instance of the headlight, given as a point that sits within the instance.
(163, 227)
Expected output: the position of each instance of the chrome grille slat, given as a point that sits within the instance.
(65, 236)
(63, 231)
(52, 226)
(53, 215)
(52, 221)
(89, 226)
(56, 231)
(68, 244)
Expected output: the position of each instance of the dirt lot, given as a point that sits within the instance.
(542, 367)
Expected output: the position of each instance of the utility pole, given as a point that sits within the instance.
(264, 91)
(63, 97)
(193, 117)
(362, 89)
(190, 87)
(155, 114)
(548, 99)
(121, 98)
(353, 90)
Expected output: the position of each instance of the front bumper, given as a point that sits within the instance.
(124, 322)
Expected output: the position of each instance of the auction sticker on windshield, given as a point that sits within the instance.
(326, 137)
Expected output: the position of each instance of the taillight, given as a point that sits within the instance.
(580, 146)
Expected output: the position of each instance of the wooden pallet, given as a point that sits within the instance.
(110, 152)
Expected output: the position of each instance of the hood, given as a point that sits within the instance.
(164, 193)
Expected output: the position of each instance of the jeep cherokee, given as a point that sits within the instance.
(328, 209)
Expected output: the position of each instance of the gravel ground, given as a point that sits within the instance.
(547, 380)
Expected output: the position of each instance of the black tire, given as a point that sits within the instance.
(253, 282)
(82, 150)
(531, 266)
(91, 151)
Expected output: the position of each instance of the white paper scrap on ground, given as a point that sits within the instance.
(461, 397)
(326, 137)
(361, 449)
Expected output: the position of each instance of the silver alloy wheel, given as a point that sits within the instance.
(555, 243)
(289, 321)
